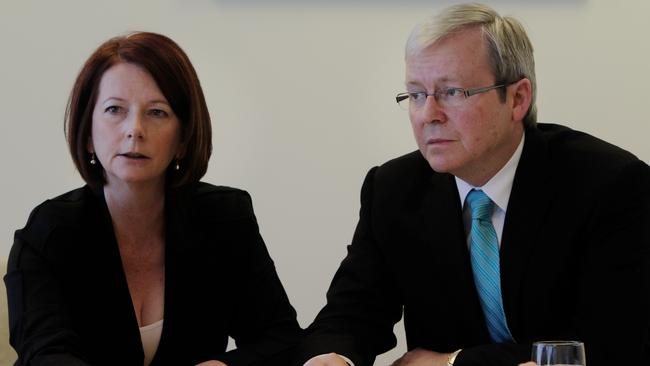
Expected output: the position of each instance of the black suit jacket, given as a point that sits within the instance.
(69, 303)
(574, 260)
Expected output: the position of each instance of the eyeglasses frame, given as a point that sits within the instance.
(466, 92)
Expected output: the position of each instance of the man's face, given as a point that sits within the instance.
(474, 139)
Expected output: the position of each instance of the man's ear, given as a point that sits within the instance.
(522, 97)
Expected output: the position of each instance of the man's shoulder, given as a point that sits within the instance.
(578, 151)
(410, 161)
(405, 180)
(408, 170)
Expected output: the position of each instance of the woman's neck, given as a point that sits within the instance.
(137, 211)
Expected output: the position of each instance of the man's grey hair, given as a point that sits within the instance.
(510, 53)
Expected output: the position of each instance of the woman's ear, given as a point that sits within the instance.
(180, 151)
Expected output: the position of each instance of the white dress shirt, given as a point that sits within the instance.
(150, 336)
(498, 188)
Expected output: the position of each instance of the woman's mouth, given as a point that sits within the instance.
(134, 155)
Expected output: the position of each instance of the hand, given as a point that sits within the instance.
(531, 363)
(421, 357)
(330, 359)
(212, 363)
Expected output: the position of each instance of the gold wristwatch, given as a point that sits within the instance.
(452, 357)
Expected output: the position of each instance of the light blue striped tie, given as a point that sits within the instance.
(484, 253)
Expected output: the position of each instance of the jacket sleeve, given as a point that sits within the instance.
(363, 301)
(263, 324)
(38, 320)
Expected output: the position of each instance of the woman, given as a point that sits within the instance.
(145, 264)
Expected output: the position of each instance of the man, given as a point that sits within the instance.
(499, 231)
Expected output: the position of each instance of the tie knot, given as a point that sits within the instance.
(480, 204)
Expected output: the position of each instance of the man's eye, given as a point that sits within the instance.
(417, 96)
(451, 92)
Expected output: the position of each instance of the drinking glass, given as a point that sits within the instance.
(559, 353)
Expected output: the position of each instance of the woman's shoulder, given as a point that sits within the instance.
(62, 212)
(212, 201)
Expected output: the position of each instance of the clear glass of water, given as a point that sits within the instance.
(559, 353)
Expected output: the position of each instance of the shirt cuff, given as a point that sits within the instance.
(343, 357)
(347, 360)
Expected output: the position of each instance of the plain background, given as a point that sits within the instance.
(301, 95)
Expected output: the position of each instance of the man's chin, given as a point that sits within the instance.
(439, 165)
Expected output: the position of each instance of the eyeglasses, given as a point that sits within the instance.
(448, 97)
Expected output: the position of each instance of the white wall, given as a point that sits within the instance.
(301, 95)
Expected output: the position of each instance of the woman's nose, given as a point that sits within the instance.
(135, 126)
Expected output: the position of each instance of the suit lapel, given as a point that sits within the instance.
(445, 214)
(444, 236)
(528, 208)
(177, 243)
(126, 336)
(436, 219)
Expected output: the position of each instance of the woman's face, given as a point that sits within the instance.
(135, 133)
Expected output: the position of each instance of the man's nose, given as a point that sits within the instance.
(431, 111)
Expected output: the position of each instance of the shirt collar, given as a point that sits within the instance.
(499, 186)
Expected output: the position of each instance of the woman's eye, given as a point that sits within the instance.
(113, 109)
(158, 113)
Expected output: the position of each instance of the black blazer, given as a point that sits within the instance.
(69, 302)
(574, 260)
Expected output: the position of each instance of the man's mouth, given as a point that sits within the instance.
(433, 141)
